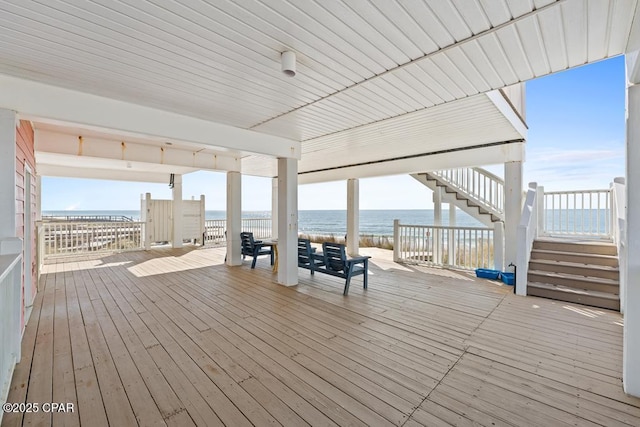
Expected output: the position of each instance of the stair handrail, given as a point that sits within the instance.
(618, 206)
(527, 233)
(478, 185)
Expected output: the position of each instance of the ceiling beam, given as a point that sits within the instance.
(490, 155)
(42, 102)
(503, 104)
(72, 145)
(94, 173)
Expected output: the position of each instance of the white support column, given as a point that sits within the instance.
(437, 221)
(234, 218)
(7, 174)
(274, 208)
(353, 217)
(631, 348)
(512, 209)
(451, 237)
(176, 212)
(287, 222)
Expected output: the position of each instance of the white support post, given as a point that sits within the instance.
(631, 347)
(234, 218)
(512, 208)
(451, 237)
(274, 208)
(498, 245)
(287, 222)
(353, 217)
(176, 212)
(437, 221)
(7, 174)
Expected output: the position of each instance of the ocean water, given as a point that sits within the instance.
(376, 222)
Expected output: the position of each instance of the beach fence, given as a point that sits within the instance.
(67, 238)
(454, 247)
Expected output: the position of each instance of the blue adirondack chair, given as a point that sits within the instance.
(254, 248)
(307, 256)
(337, 264)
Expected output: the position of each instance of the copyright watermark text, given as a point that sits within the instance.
(47, 407)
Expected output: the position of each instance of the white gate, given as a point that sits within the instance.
(157, 215)
(193, 219)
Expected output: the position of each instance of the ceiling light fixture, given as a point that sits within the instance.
(288, 60)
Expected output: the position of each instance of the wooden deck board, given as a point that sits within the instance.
(174, 337)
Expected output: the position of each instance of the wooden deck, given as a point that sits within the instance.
(175, 337)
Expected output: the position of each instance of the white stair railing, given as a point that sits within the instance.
(476, 184)
(619, 215)
(578, 213)
(527, 232)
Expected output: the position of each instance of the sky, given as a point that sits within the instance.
(576, 140)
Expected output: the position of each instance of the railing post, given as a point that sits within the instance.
(147, 222)
(396, 240)
(498, 245)
(541, 211)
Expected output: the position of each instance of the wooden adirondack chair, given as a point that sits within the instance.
(254, 248)
(337, 264)
(307, 256)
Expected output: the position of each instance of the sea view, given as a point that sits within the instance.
(375, 222)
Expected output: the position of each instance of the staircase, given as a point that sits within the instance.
(579, 272)
(476, 191)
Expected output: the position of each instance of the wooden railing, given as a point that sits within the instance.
(10, 325)
(477, 184)
(63, 238)
(216, 229)
(457, 247)
(578, 213)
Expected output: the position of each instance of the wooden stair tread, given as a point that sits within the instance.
(566, 289)
(576, 264)
(582, 254)
(576, 277)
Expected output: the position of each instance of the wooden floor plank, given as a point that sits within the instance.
(175, 337)
(41, 379)
(90, 404)
(64, 388)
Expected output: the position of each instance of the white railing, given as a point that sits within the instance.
(477, 184)
(216, 229)
(619, 213)
(64, 238)
(457, 247)
(10, 323)
(578, 213)
(528, 230)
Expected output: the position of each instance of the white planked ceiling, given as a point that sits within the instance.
(360, 63)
